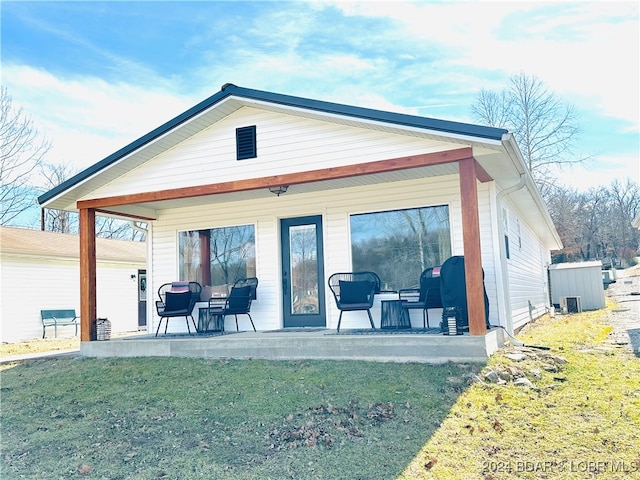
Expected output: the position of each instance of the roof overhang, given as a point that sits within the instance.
(494, 149)
(232, 98)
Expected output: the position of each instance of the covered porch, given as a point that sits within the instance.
(459, 161)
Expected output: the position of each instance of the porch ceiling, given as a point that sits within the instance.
(151, 208)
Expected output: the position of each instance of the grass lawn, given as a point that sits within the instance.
(172, 418)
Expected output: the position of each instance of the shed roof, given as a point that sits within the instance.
(22, 241)
(572, 265)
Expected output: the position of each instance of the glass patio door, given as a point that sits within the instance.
(302, 272)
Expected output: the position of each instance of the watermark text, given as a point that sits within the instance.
(552, 466)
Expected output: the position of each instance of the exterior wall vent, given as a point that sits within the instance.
(246, 146)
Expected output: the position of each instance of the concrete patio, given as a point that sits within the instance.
(319, 344)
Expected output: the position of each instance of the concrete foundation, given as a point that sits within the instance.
(295, 345)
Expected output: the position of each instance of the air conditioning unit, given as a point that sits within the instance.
(570, 304)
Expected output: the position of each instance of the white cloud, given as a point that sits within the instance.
(602, 173)
(579, 49)
(86, 117)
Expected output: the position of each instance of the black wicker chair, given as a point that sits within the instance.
(238, 302)
(177, 299)
(425, 297)
(354, 291)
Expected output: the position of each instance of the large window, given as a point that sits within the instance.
(217, 257)
(399, 244)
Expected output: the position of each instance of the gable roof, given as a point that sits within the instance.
(36, 243)
(229, 90)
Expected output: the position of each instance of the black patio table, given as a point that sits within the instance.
(393, 315)
(210, 320)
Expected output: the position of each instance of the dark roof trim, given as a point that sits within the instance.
(230, 89)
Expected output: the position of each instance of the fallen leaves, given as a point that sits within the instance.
(325, 424)
(380, 412)
(497, 426)
(429, 464)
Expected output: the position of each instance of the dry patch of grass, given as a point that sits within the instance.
(39, 346)
(568, 413)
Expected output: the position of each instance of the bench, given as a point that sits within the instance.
(58, 318)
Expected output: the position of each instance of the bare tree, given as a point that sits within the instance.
(58, 220)
(544, 126)
(596, 224)
(109, 227)
(624, 200)
(67, 222)
(21, 152)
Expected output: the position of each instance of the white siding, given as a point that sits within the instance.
(488, 252)
(335, 207)
(526, 270)
(286, 144)
(33, 284)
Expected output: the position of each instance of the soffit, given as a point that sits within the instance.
(303, 188)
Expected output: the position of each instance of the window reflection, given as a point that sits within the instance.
(399, 244)
(217, 257)
(304, 269)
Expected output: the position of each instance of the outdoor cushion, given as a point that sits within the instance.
(239, 298)
(179, 287)
(176, 301)
(355, 292)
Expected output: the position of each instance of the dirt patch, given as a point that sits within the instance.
(325, 425)
(625, 317)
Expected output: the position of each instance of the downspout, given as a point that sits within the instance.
(503, 251)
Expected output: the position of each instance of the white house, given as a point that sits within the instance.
(41, 270)
(291, 190)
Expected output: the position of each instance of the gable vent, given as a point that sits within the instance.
(246, 142)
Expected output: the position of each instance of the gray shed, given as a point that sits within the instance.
(577, 286)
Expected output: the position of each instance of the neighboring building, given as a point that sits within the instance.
(577, 282)
(41, 270)
(291, 190)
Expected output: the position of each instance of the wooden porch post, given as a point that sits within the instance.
(471, 241)
(88, 308)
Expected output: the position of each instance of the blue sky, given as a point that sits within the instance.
(95, 76)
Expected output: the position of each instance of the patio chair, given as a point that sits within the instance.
(425, 297)
(238, 302)
(354, 291)
(177, 299)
